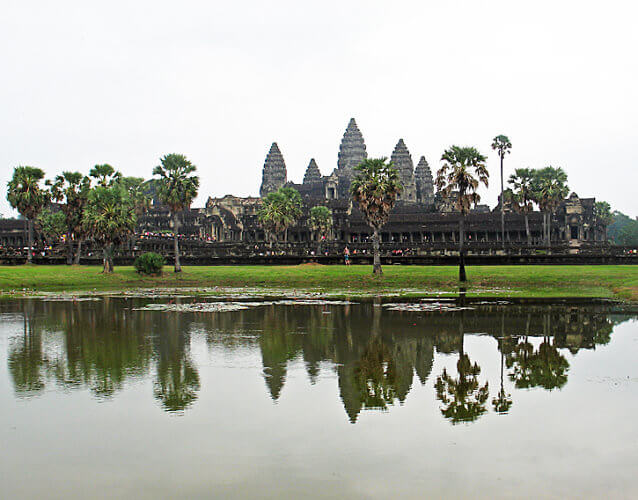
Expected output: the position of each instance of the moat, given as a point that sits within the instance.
(122, 397)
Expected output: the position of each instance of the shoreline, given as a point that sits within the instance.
(515, 282)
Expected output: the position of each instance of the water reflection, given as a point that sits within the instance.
(377, 355)
(176, 383)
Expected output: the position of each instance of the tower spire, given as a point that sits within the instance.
(312, 172)
(352, 151)
(274, 173)
(403, 162)
(424, 183)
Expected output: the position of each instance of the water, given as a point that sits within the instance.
(100, 400)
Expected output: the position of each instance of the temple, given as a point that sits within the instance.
(422, 219)
(421, 215)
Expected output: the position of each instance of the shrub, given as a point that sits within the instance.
(149, 263)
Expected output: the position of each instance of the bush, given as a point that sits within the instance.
(149, 263)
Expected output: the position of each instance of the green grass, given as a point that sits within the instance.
(517, 281)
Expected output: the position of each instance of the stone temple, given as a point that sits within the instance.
(352, 151)
(422, 220)
(421, 215)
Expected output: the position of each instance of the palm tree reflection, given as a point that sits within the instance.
(464, 397)
(177, 384)
(545, 367)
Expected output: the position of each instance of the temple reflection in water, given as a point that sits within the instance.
(377, 355)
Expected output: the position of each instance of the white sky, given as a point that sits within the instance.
(125, 82)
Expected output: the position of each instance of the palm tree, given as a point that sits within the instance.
(522, 182)
(72, 189)
(109, 218)
(104, 175)
(280, 210)
(320, 222)
(137, 189)
(550, 189)
(291, 207)
(457, 178)
(177, 189)
(375, 188)
(25, 194)
(502, 144)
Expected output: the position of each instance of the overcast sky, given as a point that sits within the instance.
(124, 82)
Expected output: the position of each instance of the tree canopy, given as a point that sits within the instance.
(176, 187)
(462, 172)
(25, 193)
(375, 188)
(280, 210)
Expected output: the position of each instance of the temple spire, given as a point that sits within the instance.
(352, 151)
(403, 162)
(424, 183)
(274, 174)
(312, 173)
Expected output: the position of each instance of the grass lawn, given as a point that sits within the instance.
(517, 281)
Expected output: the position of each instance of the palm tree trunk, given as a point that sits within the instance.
(30, 236)
(529, 236)
(376, 252)
(79, 252)
(549, 229)
(69, 249)
(462, 275)
(502, 207)
(178, 267)
(108, 258)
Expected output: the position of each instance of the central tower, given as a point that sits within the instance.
(352, 151)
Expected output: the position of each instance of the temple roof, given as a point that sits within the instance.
(403, 162)
(352, 149)
(313, 174)
(274, 173)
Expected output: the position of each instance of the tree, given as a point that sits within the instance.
(602, 211)
(280, 210)
(137, 189)
(105, 175)
(623, 230)
(375, 188)
(52, 224)
(71, 189)
(25, 194)
(109, 218)
(502, 144)
(457, 178)
(320, 221)
(522, 182)
(177, 188)
(550, 189)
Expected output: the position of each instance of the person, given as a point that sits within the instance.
(346, 256)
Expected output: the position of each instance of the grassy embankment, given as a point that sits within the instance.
(518, 281)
